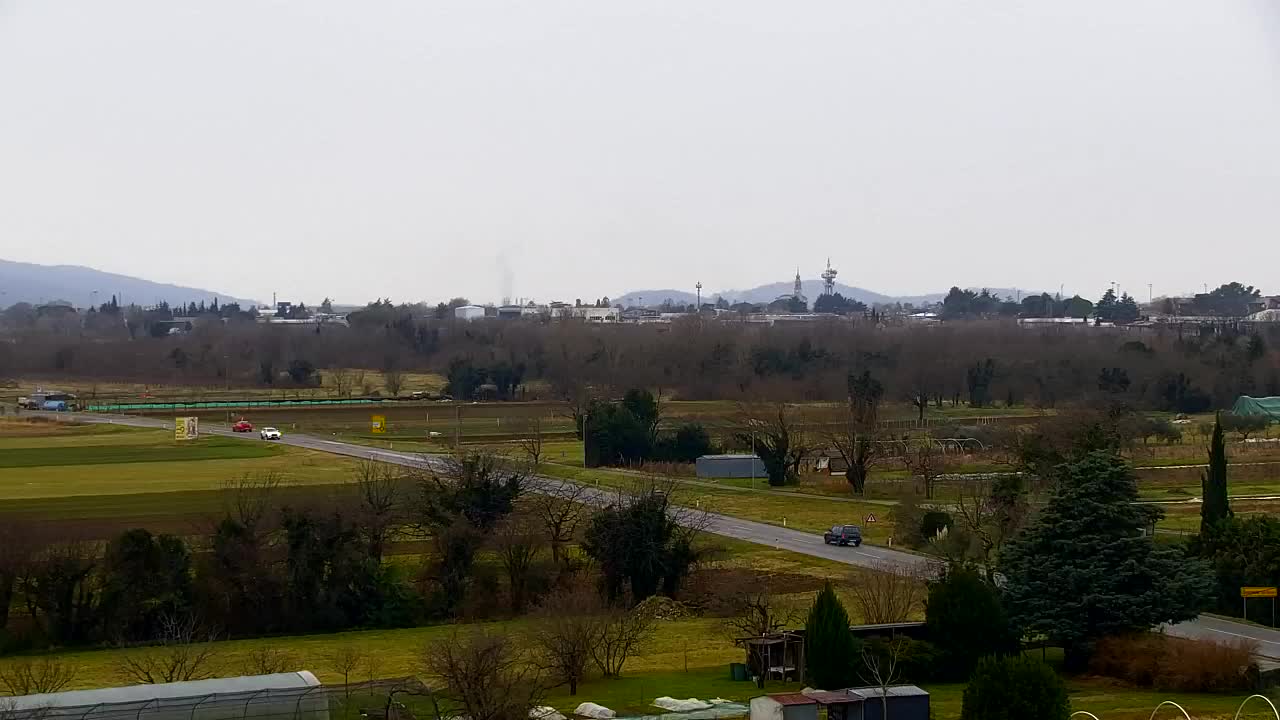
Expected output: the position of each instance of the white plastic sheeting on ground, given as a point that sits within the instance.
(714, 710)
(681, 706)
(545, 713)
(592, 710)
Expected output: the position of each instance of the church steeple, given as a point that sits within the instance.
(798, 292)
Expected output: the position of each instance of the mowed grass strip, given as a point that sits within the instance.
(213, 448)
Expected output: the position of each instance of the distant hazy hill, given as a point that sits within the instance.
(26, 282)
(812, 289)
(761, 294)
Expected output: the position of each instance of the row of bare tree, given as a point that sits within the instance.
(974, 363)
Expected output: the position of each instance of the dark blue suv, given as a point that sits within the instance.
(843, 535)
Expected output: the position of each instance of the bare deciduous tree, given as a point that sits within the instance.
(561, 508)
(889, 593)
(184, 653)
(776, 437)
(345, 660)
(341, 378)
(518, 543)
(858, 437)
(991, 511)
(250, 498)
(393, 381)
(881, 669)
(31, 677)
(379, 488)
(529, 432)
(483, 676)
(568, 625)
(761, 612)
(623, 633)
(925, 461)
(268, 660)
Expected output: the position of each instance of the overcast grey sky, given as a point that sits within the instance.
(420, 149)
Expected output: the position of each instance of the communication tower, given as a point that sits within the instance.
(829, 279)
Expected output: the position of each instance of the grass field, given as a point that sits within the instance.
(102, 472)
(687, 658)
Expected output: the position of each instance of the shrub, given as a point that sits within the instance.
(1175, 664)
(917, 661)
(908, 517)
(933, 522)
(1014, 688)
(966, 621)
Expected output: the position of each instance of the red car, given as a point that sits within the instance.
(242, 426)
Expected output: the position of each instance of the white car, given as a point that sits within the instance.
(270, 434)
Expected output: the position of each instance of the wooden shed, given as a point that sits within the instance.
(774, 656)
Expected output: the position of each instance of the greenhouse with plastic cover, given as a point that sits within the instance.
(1268, 407)
(281, 696)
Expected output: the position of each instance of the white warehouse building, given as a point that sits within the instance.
(469, 312)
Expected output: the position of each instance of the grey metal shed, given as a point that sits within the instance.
(715, 467)
(906, 702)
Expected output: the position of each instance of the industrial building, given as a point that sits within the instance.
(469, 312)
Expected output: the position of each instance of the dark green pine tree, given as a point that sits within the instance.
(1087, 568)
(829, 647)
(1215, 506)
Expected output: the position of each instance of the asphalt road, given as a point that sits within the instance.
(1202, 628)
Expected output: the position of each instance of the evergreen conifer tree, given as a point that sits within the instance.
(829, 647)
(1089, 567)
(1216, 506)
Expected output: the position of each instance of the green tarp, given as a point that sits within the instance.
(1268, 407)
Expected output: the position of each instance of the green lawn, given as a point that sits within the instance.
(659, 670)
(82, 465)
(208, 448)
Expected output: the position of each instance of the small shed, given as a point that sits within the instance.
(716, 467)
(913, 630)
(784, 706)
(775, 655)
(840, 704)
(905, 702)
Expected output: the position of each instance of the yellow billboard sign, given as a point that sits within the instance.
(379, 424)
(186, 428)
(1257, 592)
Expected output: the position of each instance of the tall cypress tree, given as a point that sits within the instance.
(829, 648)
(1215, 506)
